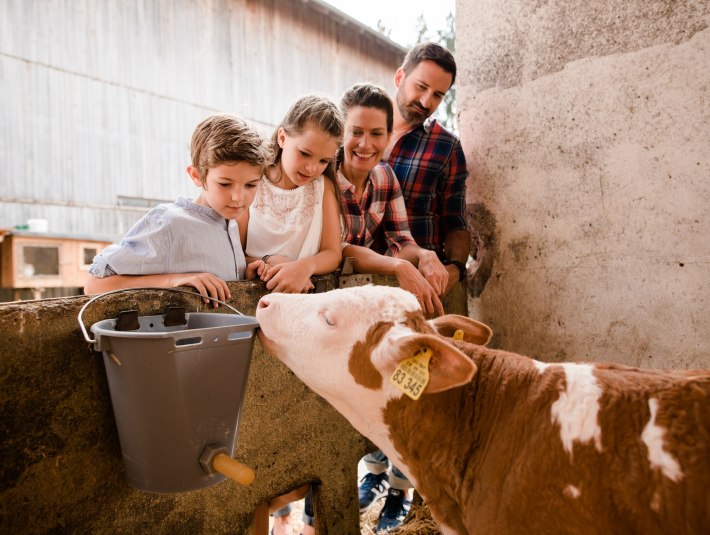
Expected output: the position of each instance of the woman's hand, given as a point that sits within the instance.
(433, 271)
(413, 281)
(205, 283)
(289, 277)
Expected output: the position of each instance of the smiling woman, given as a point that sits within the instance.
(373, 204)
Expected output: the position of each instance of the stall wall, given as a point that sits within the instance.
(586, 126)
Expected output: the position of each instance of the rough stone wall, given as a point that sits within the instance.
(586, 126)
(62, 470)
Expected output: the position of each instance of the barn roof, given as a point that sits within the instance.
(354, 25)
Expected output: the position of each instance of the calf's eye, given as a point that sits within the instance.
(328, 319)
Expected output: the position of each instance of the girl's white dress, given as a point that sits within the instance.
(286, 222)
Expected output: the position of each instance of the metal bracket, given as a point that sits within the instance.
(321, 286)
(348, 266)
(127, 320)
(348, 281)
(175, 316)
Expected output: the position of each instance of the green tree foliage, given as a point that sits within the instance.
(447, 109)
(422, 30)
(384, 30)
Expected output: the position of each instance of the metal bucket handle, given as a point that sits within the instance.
(81, 312)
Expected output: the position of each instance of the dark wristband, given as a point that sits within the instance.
(460, 265)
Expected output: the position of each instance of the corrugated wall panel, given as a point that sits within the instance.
(100, 97)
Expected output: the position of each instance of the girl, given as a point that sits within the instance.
(294, 221)
(373, 203)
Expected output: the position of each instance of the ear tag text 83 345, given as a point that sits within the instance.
(458, 335)
(412, 375)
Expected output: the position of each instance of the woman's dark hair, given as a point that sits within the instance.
(368, 95)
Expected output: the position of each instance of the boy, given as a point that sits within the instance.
(194, 243)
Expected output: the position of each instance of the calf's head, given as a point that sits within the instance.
(345, 344)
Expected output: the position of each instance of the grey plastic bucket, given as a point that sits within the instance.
(176, 391)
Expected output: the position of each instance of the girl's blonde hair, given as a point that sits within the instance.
(320, 112)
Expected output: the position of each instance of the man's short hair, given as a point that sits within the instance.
(431, 52)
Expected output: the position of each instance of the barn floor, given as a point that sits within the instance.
(419, 521)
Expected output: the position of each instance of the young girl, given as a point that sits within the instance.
(373, 203)
(294, 222)
(194, 243)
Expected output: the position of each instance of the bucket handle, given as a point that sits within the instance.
(81, 312)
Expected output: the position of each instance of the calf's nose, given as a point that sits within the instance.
(263, 303)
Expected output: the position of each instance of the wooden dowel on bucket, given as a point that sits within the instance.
(233, 469)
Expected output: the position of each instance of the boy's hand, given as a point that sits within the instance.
(205, 283)
(290, 277)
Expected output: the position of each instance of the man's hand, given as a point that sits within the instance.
(433, 270)
(413, 281)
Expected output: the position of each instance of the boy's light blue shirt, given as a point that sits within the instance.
(180, 237)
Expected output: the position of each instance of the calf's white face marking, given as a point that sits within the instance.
(314, 335)
(344, 344)
(659, 458)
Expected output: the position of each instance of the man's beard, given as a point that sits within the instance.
(411, 112)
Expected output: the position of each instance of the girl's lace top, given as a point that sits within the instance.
(286, 222)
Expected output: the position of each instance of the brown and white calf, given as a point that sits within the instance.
(500, 443)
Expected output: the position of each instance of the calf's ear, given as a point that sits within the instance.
(448, 367)
(474, 332)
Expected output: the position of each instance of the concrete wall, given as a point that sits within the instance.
(587, 130)
(62, 470)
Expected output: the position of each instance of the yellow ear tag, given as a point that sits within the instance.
(412, 374)
(458, 335)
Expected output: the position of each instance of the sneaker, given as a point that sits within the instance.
(394, 511)
(372, 487)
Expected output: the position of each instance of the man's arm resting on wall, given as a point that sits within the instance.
(457, 248)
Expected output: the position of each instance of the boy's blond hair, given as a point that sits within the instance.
(225, 138)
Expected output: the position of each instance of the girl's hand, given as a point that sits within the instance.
(433, 271)
(413, 281)
(289, 277)
(257, 268)
(206, 283)
(275, 260)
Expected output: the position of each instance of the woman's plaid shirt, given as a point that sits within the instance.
(379, 214)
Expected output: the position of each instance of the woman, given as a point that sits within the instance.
(372, 200)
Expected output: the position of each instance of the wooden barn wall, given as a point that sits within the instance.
(100, 98)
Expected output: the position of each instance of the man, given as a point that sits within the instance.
(428, 159)
(430, 165)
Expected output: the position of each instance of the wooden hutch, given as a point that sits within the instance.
(38, 261)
